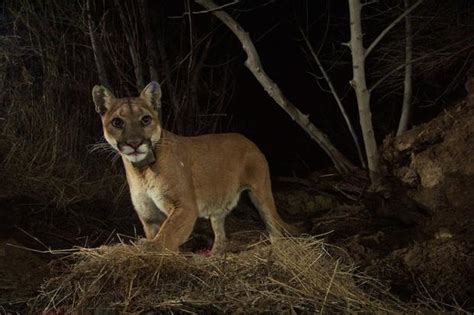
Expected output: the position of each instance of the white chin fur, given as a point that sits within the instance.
(135, 158)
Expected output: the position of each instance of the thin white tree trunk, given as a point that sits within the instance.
(407, 83)
(341, 163)
(363, 96)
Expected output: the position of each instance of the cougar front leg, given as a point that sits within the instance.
(150, 216)
(150, 229)
(220, 240)
(176, 229)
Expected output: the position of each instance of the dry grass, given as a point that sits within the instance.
(293, 275)
(43, 156)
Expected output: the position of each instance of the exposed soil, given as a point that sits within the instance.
(417, 237)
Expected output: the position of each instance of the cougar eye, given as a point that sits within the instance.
(118, 123)
(146, 120)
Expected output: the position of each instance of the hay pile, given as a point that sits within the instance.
(290, 275)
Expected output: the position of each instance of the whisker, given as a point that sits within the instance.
(101, 147)
(115, 158)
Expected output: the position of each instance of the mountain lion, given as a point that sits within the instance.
(174, 180)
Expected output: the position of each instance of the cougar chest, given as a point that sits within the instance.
(150, 196)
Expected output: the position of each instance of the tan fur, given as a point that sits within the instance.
(191, 177)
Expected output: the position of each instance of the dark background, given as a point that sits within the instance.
(62, 186)
(49, 126)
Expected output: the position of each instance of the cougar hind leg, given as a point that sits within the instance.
(267, 211)
(260, 192)
(262, 198)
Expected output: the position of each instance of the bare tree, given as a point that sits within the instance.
(254, 65)
(358, 82)
(363, 96)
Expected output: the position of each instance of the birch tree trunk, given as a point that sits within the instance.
(363, 96)
(407, 83)
(341, 163)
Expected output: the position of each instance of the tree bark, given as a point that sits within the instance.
(96, 48)
(341, 163)
(407, 83)
(363, 96)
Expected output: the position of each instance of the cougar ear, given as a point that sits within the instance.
(152, 95)
(102, 98)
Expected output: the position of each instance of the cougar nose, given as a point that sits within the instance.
(134, 143)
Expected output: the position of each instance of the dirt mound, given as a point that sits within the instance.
(435, 164)
(441, 270)
(289, 276)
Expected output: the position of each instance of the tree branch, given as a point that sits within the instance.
(390, 26)
(205, 11)
(337, 98)
(341, 163)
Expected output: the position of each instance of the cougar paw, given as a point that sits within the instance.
(219, 249)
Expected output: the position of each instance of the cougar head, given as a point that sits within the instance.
(131, 125)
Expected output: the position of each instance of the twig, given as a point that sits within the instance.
(337, 98)
(204, 11)
(330, 285)
(388, 28)
(48, 251)
(376, 84)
